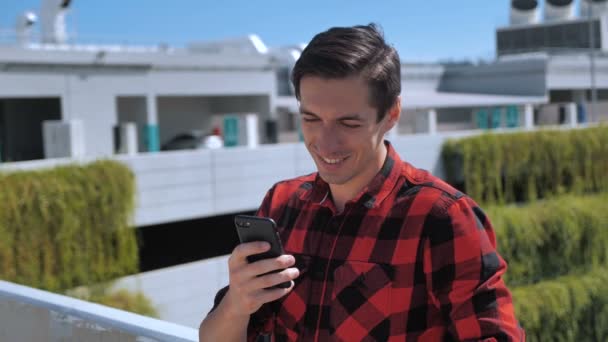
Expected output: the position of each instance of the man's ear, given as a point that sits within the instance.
(393, 115)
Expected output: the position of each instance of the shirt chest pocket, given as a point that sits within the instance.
(361, 296)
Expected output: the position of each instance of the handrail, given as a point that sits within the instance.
(102, 315)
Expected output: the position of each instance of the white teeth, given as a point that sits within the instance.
(332, 161)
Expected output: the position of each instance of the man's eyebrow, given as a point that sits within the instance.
(350, 117)
(342, 118)
(306, 111)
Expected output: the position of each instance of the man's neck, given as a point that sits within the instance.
(342, 193)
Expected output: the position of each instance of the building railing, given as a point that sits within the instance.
(30, 314)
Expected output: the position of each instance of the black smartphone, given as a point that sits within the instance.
(254, 228)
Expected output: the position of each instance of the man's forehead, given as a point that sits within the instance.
(349, 93)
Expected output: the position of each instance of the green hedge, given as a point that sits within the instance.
(553, 237)
(67, 226)
(569, 308)
(509, 167)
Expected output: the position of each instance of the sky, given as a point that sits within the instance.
(421, 31)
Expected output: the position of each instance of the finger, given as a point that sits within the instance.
(268, 265)
(242, 251)
(272, 279)
(265, 296)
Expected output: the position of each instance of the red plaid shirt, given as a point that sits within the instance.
(410, 258)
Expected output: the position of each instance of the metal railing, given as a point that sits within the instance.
(29, 314)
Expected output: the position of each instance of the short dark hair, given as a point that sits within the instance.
(353, 51)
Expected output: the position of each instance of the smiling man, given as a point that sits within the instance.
(377, 249)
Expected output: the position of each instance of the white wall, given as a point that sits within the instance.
(182, 294)
(209, 82)
(574, 72)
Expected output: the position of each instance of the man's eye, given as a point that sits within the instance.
(310, 119)
(350, 125)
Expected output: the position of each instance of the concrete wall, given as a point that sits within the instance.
(421, 77)
(574, 72)
(516, 77)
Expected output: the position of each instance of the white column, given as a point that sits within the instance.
(251, 130)
(151, 110)
(426, 122)
(571, 113)
(128, 138)
(152, 135)
(528, 116)
(432, 115)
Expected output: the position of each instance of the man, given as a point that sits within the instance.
(377, 249)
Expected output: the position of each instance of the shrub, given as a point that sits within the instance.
(524, 166)
(67, 226)
(550, 238)
(569, 308)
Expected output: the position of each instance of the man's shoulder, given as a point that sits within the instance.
(425, 181)
(293, 186)
(434, 192)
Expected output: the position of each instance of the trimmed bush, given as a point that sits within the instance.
(67, 226)
(551, 238)
(569, 308)
(524, 166)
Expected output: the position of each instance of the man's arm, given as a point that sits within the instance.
(464, 274)
(247, 292)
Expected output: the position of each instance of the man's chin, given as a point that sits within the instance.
(333, 179)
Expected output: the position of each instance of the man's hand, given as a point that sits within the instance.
(249, 289)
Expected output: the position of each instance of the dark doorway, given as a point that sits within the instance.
(21, 126)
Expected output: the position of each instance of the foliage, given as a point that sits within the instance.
(67, 226)
(525, 166)
(568, 308)
(551, 238)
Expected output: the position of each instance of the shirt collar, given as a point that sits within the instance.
(375, 192)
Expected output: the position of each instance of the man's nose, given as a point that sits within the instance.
(329, 139)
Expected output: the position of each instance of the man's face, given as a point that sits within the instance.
(340, 128)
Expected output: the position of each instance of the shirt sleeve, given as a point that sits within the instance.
(260, 322)
(464, 273)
